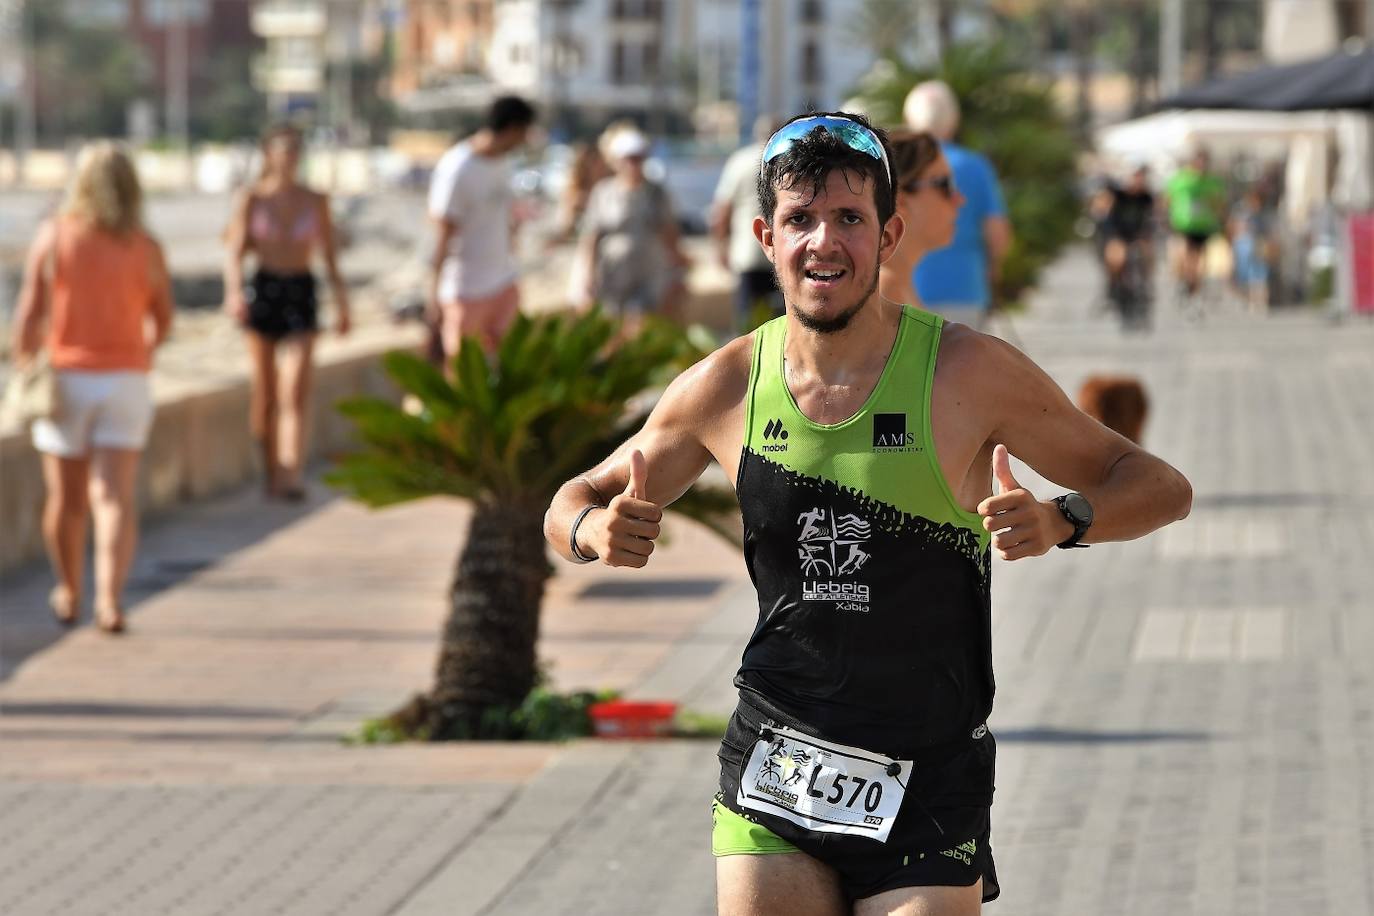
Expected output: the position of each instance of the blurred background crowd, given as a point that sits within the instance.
(1062, 98)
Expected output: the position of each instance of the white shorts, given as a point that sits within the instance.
(99, 410)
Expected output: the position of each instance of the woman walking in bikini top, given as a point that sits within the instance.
(284, 224)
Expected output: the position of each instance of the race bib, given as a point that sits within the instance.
(826, 787)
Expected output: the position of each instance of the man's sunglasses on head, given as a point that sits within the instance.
(853, 134)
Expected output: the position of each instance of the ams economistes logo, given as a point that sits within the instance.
(890, 435)
(775, 437)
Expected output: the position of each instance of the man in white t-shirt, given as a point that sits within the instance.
(472, 286)
(733, 209)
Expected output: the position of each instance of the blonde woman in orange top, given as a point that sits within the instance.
(97, 296)
(283, 224)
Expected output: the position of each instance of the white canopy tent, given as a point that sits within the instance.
(1167, 138)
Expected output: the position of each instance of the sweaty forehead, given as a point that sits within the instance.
(842, 189)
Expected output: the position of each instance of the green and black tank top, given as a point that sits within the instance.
(874, 624)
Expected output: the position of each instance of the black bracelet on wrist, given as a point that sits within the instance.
(578, 555)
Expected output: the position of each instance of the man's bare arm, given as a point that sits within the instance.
(1131, 491)
(444, 231)
(675, 445)
(720, 230)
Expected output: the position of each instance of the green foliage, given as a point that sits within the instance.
(692, 724)
(884, 27)
(379, 731)
(562, 393)
(86, 75)
(232, 107)
(1010, 117)
(543, 716)
(549, 716)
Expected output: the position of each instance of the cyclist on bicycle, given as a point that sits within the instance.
(1129, 231)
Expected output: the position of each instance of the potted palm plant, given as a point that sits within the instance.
(505, 432)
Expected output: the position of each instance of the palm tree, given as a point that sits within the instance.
(884, 27)
(560, 394)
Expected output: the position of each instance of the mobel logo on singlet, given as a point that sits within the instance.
(775, 436)
(890, 435)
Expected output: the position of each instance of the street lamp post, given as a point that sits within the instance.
(178, 89)
(1171, 48)
(748, 89)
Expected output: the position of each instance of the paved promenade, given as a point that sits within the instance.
(1185, 723)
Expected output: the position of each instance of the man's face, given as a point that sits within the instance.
(510, 139)
(826, 249)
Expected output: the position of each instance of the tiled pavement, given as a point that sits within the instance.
(1185, 723)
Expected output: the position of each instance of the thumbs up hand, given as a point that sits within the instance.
(623, 534)
(1021, 525)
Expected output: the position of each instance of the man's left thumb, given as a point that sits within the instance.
(1001, 469)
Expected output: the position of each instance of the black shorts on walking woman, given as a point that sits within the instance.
(280, 305)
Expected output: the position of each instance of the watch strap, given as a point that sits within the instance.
(1079, 528)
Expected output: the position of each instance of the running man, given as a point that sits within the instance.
(1197, 201)
(863, 437)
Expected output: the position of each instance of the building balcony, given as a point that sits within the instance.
(290, 18)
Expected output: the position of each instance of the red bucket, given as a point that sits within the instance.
(632, 719)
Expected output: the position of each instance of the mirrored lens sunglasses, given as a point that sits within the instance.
(853, 134)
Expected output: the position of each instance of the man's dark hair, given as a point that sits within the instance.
(509, 111)
(810, 160)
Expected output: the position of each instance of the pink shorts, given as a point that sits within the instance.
(487, 317)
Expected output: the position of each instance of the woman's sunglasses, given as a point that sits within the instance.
(853, 134)
(943, 183)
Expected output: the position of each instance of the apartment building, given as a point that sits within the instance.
(439, 42)
(659, 60)
(308, 48)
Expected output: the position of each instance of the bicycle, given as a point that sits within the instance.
(1130, 289)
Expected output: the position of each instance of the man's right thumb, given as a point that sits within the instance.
(639, 476)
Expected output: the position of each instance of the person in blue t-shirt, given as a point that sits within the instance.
(956, 281)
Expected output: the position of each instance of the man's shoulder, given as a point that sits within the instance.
(460, 159)
(719, 381)
(968, 357)
(455, 154)
(963, 157)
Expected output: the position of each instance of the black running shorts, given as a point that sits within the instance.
(941, 836)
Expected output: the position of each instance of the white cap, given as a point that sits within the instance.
(628, 143)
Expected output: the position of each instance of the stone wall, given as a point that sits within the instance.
(200, 443)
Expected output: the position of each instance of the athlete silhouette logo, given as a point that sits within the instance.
(810, 528)
(812, 564)
(823, 536)
(855, 561)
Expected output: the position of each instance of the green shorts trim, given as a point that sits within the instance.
(735, 835)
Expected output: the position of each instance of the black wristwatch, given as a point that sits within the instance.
(1079, 512)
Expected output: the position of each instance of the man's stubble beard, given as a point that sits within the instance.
(840, 321)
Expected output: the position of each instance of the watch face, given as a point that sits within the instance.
(1079, 508)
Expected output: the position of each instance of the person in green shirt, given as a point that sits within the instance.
(1196, 203)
